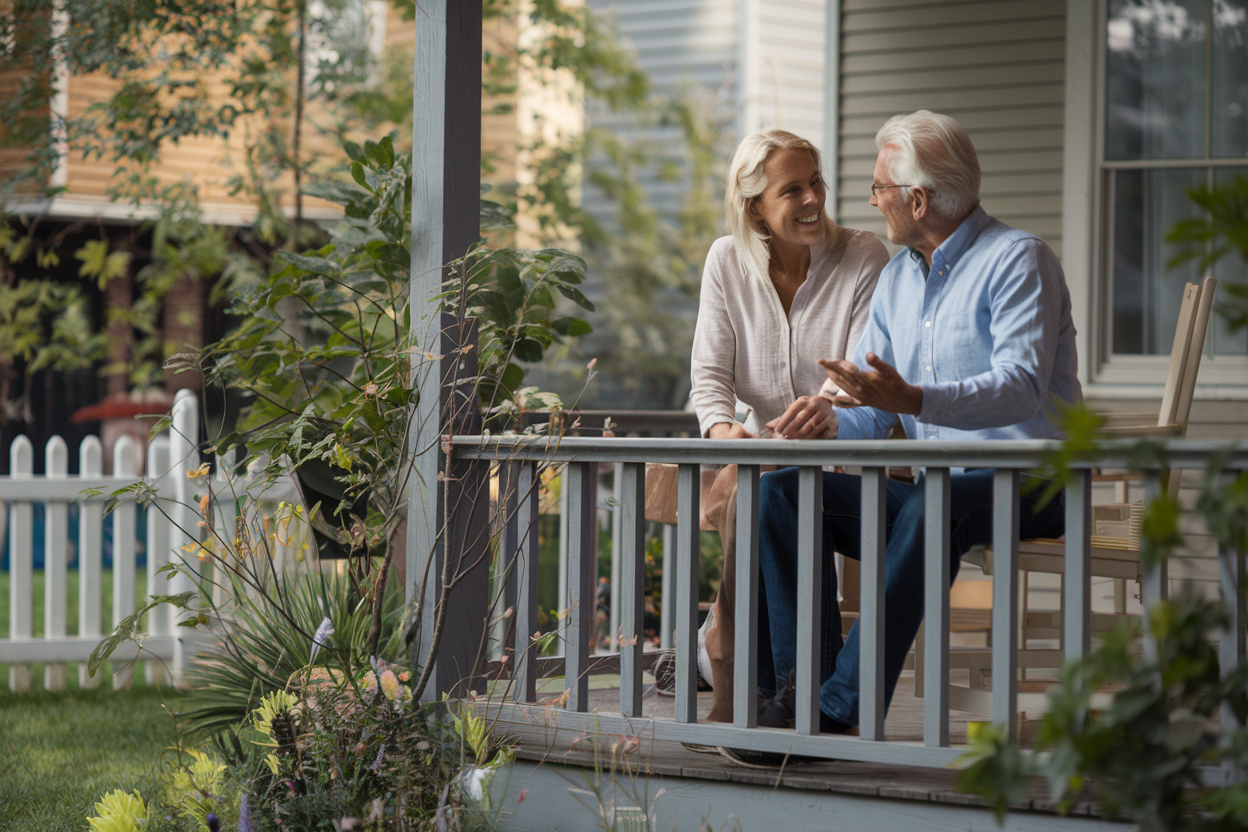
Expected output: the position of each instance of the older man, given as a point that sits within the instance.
(969, 337)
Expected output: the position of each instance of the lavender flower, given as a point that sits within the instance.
(376, 766)
(244, 813)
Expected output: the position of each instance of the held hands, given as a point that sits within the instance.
(882, 387)
(808, 417)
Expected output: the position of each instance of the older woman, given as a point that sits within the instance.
(787, 288)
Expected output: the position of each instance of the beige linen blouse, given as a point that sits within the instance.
(745, 347)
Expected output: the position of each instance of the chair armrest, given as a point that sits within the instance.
(1115, 431)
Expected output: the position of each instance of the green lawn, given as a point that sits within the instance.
(60, 752)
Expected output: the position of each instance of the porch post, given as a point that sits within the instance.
(447, 530)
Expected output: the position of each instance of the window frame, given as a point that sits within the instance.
(1088, 225)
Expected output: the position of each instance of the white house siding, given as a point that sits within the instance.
(783, 51)
(995, 65)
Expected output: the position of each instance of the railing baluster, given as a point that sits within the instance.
(614, 623)
(581, 484)
(809, 596)
(1152, 578)
(936, 608)
(632, 560)
(871, 617)
(1077, 582)
(1005, 600)
(55, 555)
(159, 619)
(503, 585)
(90, 553)
(124, 467)
(667, 590)
(21, 559)
(688, 561)
(526, 578)
(745, 681)
(1231, 647)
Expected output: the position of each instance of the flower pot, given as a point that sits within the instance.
(317, 482)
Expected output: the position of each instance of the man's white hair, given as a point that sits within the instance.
(933, 151)
(747, 180)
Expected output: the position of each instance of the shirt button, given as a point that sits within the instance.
(929, 368)
(940, 273)
(927, 323)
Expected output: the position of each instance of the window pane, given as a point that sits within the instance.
(1230, 269)
(1229, 114)
(1146, 293)
(1155, 79)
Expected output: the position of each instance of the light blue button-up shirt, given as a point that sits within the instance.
(986, 332)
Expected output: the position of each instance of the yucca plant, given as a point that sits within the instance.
(267, 640)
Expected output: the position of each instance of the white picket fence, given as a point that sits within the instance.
(172, 524)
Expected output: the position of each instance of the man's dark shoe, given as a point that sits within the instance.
(779, 711)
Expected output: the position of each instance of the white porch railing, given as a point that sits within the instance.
(1009, 459)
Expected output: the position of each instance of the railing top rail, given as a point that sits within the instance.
(1115, 453)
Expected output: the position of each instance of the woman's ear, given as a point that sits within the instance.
(756, 217)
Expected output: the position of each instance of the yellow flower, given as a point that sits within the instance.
(201, 471)
(119, 812)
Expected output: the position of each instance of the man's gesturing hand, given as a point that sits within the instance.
(882, 387)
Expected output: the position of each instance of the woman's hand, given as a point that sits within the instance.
(729, 430)
(809, 417)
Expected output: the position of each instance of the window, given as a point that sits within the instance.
(1175, 116)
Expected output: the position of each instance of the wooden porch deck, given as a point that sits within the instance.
(544, 741)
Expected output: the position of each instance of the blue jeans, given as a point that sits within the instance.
(970, 525)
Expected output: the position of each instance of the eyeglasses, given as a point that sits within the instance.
(875, 189)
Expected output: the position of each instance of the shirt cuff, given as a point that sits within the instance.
(849, 423)
(938, 399)
(710, 420)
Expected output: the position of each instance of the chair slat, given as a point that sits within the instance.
(1179, 353)
(1005, 600)
(1077, 584)
(632, 558)
(809, 596)
(581, 483)
(936, 608)
(745, 680)
(524, 674)
(688, 563)
(871, 617)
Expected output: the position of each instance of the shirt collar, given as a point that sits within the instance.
(956, 244)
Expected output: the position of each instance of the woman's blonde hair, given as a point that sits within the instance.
(746, 182)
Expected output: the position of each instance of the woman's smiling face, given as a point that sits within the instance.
(791, 206)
